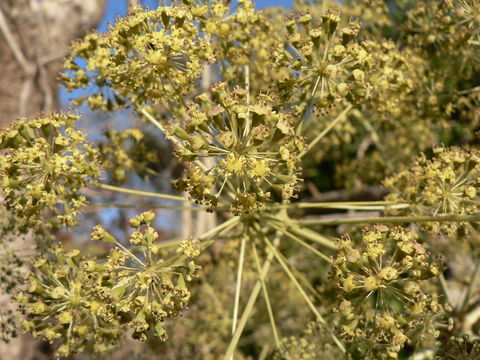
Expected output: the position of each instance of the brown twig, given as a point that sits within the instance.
(367, 193)
(17, 52)
(132, 4)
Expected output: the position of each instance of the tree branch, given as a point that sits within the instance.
(132, 4)
(17, 52)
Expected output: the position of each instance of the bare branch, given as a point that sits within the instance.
(133, 4)
(25, 94)
(367, 193)
(47, 59)
(17, 52)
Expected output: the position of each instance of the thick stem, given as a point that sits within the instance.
(389, 220)
(350, 205)
(140, 193)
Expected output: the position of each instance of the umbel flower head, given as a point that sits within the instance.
(448, 184)
(382, 302)
(146, 290)
(148, 56)
(61, 302)
(44, 162)
(311, 344)
(253, 147)
(88, 303)
(443, 26)
(125, 151)
(459, 348)
(244, 37)
(325, 64)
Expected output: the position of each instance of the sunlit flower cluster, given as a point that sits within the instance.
(89, 302)
(254, 149)
(44, 162)
(61, 302)
(148, 56)
(251, 103)
(245, 38)
(326, 64)
(150, 289)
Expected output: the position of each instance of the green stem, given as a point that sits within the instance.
(149, 206)
(157, 124)
(132, 256)
(304, 294)
(472, 285)
(241, 259)
(326, 130)
(301, 242)
(446, 291)
(264, 353)
(389, 220)
(168, 243)
(306, 233)
(227, 225)
(267, 298)
(140, 193)
(247, 313)
(365, 205)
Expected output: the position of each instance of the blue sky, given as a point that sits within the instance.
(119, 8)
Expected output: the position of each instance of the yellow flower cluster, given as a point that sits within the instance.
(383, 304)
(325, 64)
(89, 303)
(253, 147)
(245, 38)
(147, 290)
(447, 184)
(44, 163)
(148, 56)
(61, 302)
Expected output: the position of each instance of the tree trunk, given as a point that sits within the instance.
(34, 38)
